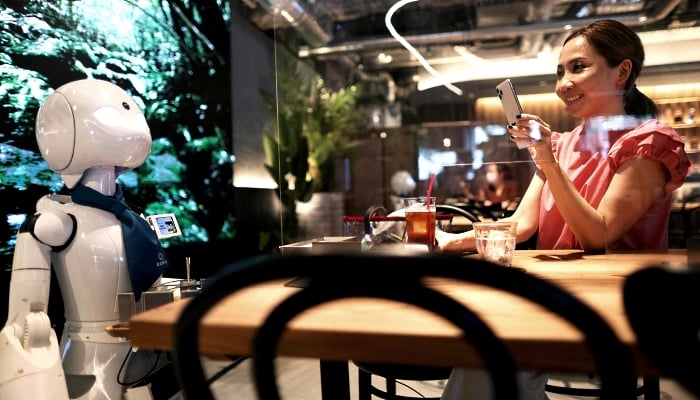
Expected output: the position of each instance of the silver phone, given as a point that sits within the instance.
(509, 101)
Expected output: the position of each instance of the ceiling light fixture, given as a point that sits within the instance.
(384, 58)
(287, 16)
(412, 50)
(478, 68)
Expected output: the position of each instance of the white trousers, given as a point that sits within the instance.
(475, 384)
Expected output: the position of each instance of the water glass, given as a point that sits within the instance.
(495, 241)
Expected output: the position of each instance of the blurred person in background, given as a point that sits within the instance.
(500, 188)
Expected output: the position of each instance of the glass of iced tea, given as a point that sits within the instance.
(420, 220)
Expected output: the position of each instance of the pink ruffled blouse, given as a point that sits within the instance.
(591, 160)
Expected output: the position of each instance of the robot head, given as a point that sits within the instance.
(402, 183)
(91, 123)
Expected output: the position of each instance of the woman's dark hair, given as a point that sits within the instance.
(616, 42)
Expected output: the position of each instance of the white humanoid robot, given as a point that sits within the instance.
(403, 185)
(89, 131)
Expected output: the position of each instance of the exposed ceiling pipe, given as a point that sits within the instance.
(532, 43)
(310, 30)
(305, 24)
(492, 32)
(297, 16)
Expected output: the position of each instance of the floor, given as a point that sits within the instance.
(299, 379)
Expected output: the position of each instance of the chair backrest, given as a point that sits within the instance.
(662, 308)
(450, 209)
(378, 276)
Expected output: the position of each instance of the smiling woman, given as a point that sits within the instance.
(607, 184)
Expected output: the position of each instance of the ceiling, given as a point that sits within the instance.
(467, 42)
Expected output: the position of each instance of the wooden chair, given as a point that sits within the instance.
(662, 308)
(376, 276)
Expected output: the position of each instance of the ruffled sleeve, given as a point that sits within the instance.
(658, 142)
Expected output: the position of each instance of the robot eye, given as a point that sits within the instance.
(126, 105)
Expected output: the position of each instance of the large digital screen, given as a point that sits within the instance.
(172, 57)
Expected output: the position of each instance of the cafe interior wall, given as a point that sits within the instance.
(252, 71)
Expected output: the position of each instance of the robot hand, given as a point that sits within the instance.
(31, 361)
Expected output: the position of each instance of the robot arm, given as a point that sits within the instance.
(29, 352)
(31, 265)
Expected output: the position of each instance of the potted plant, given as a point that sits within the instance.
(287, 149)
(329, 126)
(315, 129)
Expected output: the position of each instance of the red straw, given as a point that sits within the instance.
(430, 189)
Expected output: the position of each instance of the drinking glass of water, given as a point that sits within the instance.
(495, 241)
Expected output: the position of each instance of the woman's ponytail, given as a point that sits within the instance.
(638, 104)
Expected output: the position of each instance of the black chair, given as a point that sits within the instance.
(650, 389)
(450, 209)
(684, 222)
(649, 295)
(459, 212)
(391, 374)
(376, 276)
(662, 308)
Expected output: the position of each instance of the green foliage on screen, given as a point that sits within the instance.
(172, 57)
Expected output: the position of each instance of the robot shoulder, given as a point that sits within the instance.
(53, 228)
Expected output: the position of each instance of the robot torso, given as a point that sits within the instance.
(92, 269)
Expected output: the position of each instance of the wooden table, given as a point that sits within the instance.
(380, 330)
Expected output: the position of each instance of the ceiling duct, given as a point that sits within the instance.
(490, 32)
(491, 36)
(296, 15)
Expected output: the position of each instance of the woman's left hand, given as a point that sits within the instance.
(450, 242)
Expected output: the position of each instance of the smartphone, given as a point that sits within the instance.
(512, 108)
(509, 101)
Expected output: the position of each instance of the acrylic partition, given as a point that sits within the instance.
(636, 213)
(481, 170)
(384, 103)
(624, 215)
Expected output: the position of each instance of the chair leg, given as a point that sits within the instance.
(368, 391)
(652, 388)
(364, 380)
(391, 388)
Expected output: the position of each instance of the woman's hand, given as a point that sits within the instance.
(453, 242)
(534, 133)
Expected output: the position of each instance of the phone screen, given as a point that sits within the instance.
(165, 225)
